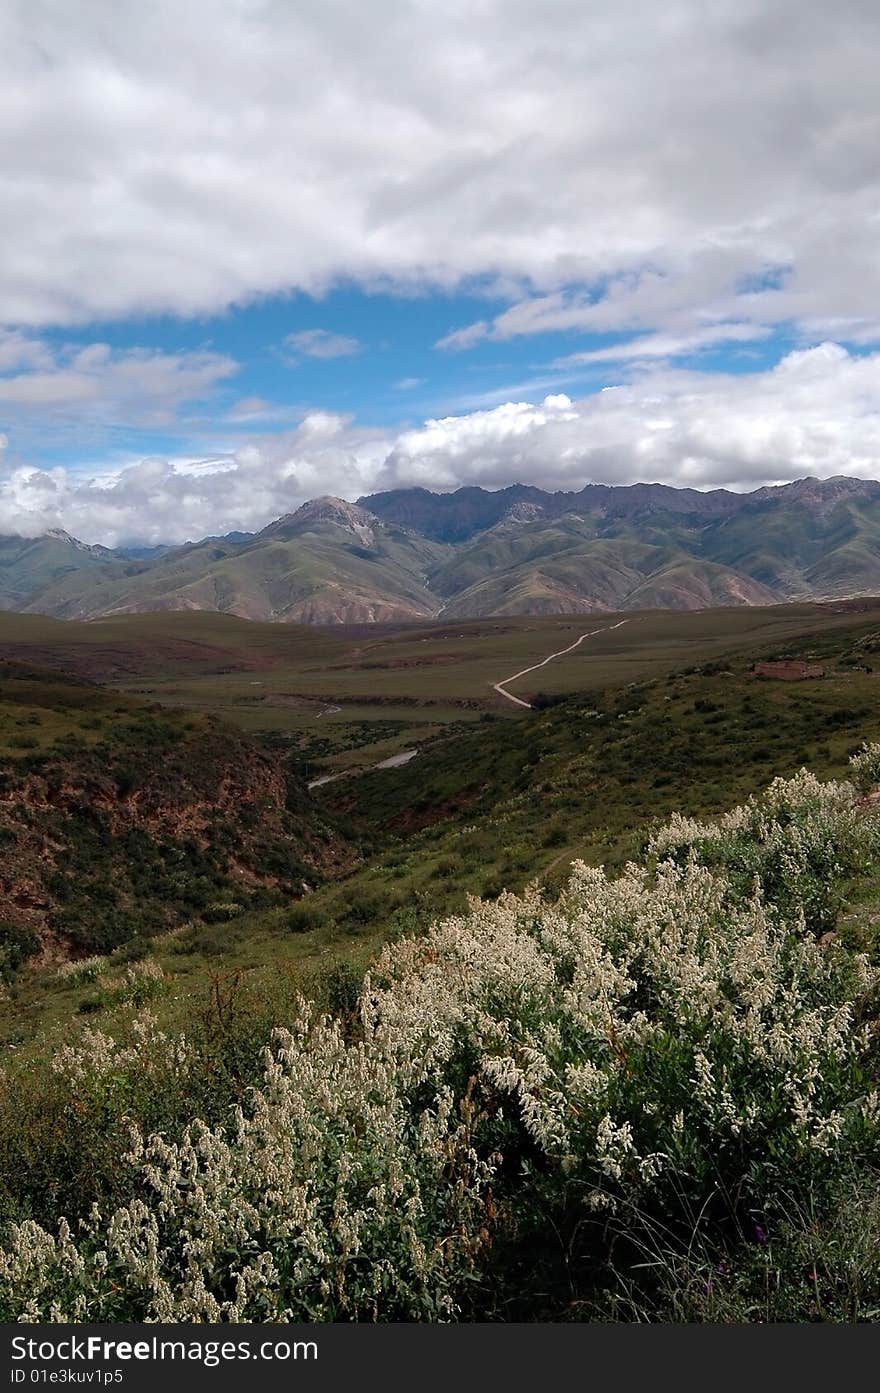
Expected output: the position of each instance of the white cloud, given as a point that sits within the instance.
(22, 351)
(466, 337)
(41, 383)
(667, 345)
(188, 157)
(817, 412)
(319, 343)
(251, 409)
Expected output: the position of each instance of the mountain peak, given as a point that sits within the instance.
(327, 509)
(818, 494)
(58, 534)
(330, 509)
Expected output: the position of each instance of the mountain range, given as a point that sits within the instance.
(410, 554)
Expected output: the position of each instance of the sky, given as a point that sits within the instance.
(262, 251)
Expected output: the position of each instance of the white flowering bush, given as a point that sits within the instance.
(141, 981)
(675, 1042)
(326, 1197)
(865, 765)
(156, 1057)
(642, 1028)
(800, 838)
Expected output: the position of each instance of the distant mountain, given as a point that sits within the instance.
(32, 566)
(410, 554)
(455, 517)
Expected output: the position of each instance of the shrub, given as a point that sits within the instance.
(343, 985)
(329, 1196)
(799, 839)
(83, 970)
(17, 944)
(367, 906)
(557, 835)
(303, 917)
(221, 911)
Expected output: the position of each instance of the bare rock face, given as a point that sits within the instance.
(103, 843)
(524, 512)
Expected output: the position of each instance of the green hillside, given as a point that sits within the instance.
(40, 565)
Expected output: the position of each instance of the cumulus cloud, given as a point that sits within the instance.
(631, 167)
(817, 412)
(319, 343)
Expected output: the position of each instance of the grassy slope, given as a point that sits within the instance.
(563, 567)
(32, 566)
(318, 573)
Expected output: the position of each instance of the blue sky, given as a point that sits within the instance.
(264, 251)
(373, 356)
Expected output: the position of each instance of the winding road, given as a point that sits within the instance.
(499, 687)
(404, 756)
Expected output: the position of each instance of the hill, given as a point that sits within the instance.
(409, 555)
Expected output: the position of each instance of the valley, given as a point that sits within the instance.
(153, 733)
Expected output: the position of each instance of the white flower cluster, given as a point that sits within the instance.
(327, 1195)
(156, 1055)
(83, 969)
(799, 838)
(659, 994)
(137, 981)
(627, 1037)
(141, 981)
(828, 810)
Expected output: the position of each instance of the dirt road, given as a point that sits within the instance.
(499, 687)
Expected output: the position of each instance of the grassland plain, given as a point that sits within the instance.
(335, 693)
(490, 806)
